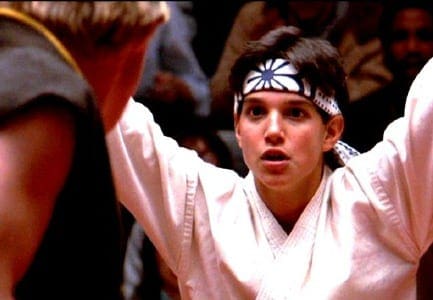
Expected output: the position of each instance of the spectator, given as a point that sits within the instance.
(357, 40)
(173, 73)
(214, 20)
(407, 38)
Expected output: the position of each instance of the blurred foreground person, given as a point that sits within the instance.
(63, 66)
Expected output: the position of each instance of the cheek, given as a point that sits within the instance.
(239, 132)
(427, 49)
(248, 144)
(243, 143)
(132, 72)
(398, 50)
(246, 135)
(308, 143)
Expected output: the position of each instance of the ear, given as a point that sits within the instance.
(237, 130)
(334, 130)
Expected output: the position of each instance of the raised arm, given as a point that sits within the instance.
(154, 177)
(36, 149)
(403, 164)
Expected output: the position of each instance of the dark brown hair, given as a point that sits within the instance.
(316, 59)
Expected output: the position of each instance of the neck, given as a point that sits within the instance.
(288, 204)
(287, 207)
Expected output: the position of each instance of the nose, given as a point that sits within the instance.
(412, 43)
(274, 130)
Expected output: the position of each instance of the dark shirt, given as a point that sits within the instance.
(367, 118)
(80, 254)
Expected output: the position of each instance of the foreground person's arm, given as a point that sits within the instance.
(36, 149)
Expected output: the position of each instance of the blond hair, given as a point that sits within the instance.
(95, 22)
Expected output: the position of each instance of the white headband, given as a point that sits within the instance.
(279, 74)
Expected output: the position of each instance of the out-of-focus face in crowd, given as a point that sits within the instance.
(411, 41)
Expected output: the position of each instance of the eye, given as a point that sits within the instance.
(255, 111)
(295, 113)
(425, 35)
(399, 35)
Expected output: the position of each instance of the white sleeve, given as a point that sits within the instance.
(403, 164)
(154, 178)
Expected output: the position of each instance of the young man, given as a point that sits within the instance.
(296, 227)
(62, 63)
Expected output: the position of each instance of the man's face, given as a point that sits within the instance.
(411, 41)
(283, 138)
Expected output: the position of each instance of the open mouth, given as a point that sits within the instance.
(274, 155)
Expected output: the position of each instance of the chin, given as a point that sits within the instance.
(275, 180)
